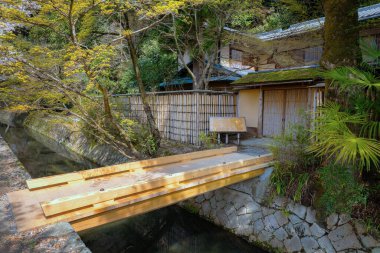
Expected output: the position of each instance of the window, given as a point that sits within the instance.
(236, 55)
(372, 41)
(312, 55)
(236, 58)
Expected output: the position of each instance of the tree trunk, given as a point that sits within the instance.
(106, 104)
(341, 34)
(341, 37)
(150, 118)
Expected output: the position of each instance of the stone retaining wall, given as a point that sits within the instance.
(59, 129)
(59, 237)
(280, 224)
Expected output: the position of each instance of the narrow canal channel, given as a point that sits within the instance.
(170, 229)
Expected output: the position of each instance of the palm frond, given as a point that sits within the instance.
(347, 77)
(334, 139)
(371, 129)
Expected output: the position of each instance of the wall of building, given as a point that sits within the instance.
(248, 104)
(279, 224)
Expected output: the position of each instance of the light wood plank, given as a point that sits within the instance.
(158, 202)
(85, 199)
(125, 167)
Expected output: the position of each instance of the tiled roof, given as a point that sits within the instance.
(372, 11)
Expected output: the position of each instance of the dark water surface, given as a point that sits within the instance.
(42, 156)
(168, 230)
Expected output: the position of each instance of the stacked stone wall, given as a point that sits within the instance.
(280, 224)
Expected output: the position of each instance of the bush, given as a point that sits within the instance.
(208, 140)
(294, 166)
(341, 190)
(140, 136)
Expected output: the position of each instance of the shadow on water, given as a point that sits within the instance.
(168, 230)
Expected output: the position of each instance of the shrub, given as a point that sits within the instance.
(294, 166)
(341, 190)
(208, 140)
(140, 136)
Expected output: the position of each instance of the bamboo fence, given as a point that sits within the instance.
(179, 115)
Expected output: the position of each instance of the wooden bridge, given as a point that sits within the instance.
(94, 197)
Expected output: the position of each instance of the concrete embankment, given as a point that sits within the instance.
(59, 237)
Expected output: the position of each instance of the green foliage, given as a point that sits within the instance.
(208, 140)
(140, 137)
(347, 131)
(294, 165)
(157, 65)
(341, 190)
(283, 13)
(335, 139)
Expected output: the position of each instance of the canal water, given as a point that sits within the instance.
(167, 230)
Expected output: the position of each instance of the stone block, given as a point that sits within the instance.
(369, 242)
(241, 211)
(252, 207)
(199, 199)
(257, 215)
(213, 202)
(297, 209)
(233, 222)
(290, 229)
(341, 232)
(260, 188)
(222, 217)
(206, 208)
(325, 243)
(332, 220)
(317, 231)
(293, 244)
(258, 226)
(244, 230)
(265, 236)
(270, 223)
(281, 234)
(267, 211)
(281, 218)
(310, 245)
(208, 195)
(343, 219)
(245, 219)
(302, 229)
(294, 219)
(275, 243)
(311, 215)
(230, 210)
(347, 242)
(279, 202)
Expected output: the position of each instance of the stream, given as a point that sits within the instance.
(170, 229)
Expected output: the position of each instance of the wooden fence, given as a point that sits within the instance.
(180, 115)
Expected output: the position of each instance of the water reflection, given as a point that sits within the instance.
(168, 230)
(44, 157)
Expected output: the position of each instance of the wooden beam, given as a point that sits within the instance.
(65, 204)
(52, 181)
(158, 202)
